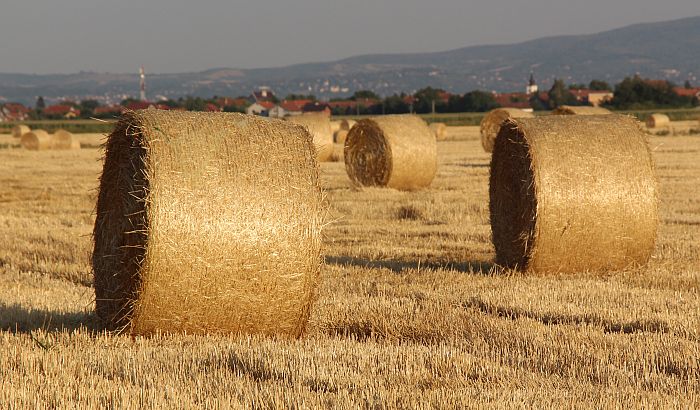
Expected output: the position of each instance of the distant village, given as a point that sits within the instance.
(632, 93)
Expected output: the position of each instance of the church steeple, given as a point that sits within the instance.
(531, 85)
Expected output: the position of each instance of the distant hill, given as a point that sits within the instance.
(668, 50)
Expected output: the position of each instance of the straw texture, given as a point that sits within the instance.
(207, 222)
(580, 110)
(64, 140)
(37, 140)
(19, 130)
(395, 151)
(439, 130)
(658, 120)
(492, 121)
(319, 126)
(572, 194)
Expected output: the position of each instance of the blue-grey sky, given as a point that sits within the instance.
(51, 36)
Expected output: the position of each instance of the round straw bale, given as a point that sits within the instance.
(197, 232)
(396, 151)
(64, 140)
(340, 136)
(19, 130)
(572, 194)
(439, 130)
(580, 110)
(658, 120)
(347, 124)
(319, 126)
(492, 121)
(335, 126)
(37, 140)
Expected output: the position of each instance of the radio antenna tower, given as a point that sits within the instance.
(142, 84)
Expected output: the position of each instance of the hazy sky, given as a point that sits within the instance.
(52, 36)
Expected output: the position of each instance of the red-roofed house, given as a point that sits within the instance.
(294, 107)
(687, 92)
(61, 111)
(592, 97)
(317, 107)
(513, 100)
(14, 112)
(108, 111)
(260, 108)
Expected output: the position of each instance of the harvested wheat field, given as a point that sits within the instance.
(410, 312)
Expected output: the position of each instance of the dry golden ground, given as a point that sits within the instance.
(411, 312)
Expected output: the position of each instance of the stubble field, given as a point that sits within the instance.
(411, 312)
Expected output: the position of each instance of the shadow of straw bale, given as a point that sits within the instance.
(255, 368)
(17, 318)
(400, 266)
(608, 326)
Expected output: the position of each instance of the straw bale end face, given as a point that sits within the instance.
(196, 232)
(394, 151)
(572, 194)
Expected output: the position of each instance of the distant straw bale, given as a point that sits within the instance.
(395, 151)
(492, 121)
(658, 120)
(580, 110)
(572, 194)
(64, 140)
(347, 124)
(37, 140)
(439, 130)
(340, 136)
(335, 126)
(19, 130)
(319, 126)
(207, 223)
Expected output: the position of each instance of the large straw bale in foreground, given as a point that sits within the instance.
(396, 151)
(64, 140)
(572, 194)
(658, 120)
(439, 130)
(197, 231)
(19, 130)
(492, 121)
(319, 126)
(580, 110)
(37, 140)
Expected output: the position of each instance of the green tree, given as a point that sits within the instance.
(292, 97)
(425, 97)
(687, 84)
(473, 101)
(395, 104)
(638, 93)
(599, 85)
(40, 104)
(365, 94)
(560, 95)
(87, 108)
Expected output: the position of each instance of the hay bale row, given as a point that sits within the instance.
(492, 121)
(395, 151)
(197, 232)
(319, 126)
(580, 110)
(572, 194)
(19, 130)
(40, 140)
